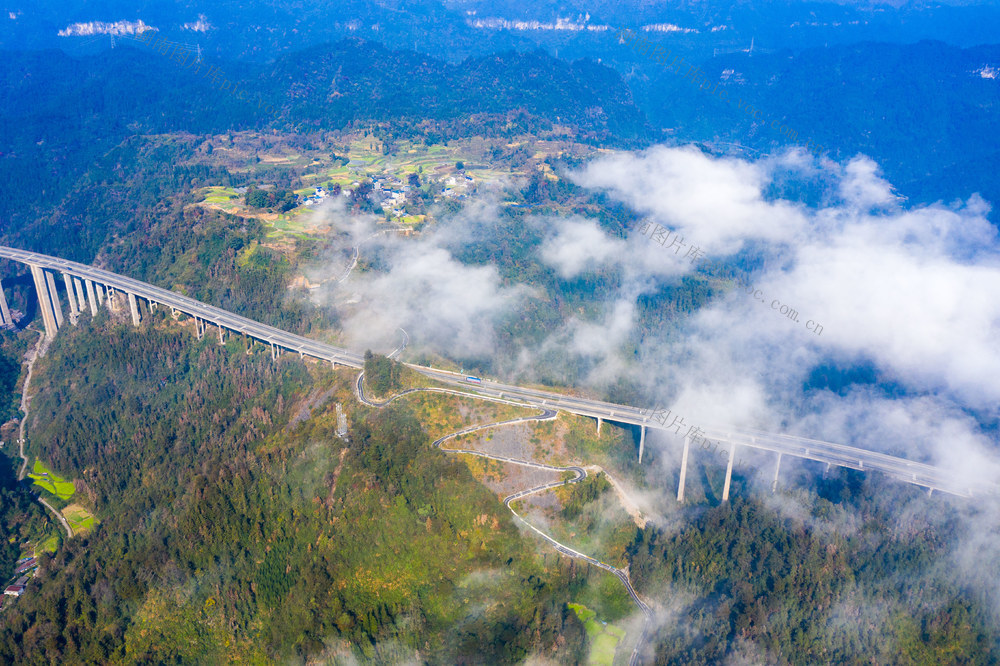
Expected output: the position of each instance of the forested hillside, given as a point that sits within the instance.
(342, 190)
(236, 526)
(923, 111)
(62, 114)
(799, 585)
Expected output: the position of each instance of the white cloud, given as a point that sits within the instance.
(104, 28)
(579, 244)
(201, 25)
(863, 187)
(445, 306)
(914, 291)
(714, 203)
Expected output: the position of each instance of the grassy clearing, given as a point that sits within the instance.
(79, 518)
(442, 413)
(217, 194)
(604, 639)
(48, 481)
(48, 546)
(290, 223)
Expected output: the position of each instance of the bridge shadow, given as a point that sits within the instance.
(712, 495)
(845, 486)
(636, 432)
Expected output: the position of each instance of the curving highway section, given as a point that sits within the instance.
(579, 474)
(108, 283)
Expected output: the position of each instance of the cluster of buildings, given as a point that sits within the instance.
(391, 193)
(457, 186)
(25, 566)
(320, 195)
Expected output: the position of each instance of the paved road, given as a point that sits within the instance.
(402, 346)
(30, 359)
(826, 452)
(59, 516)
(25, 403)
(788, 445)
(354, 262)
(579, 474)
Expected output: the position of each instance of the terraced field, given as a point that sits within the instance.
(604, 638)
(79, 518)
(47, 480)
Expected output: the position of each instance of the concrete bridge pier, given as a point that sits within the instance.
(134, 307)
(4, 310)
(684, 468)
(91, 298)
(599, 422)
(71, 297)
(44, 304)
(50, 279)
(222, 334)
(101, 295)
(777, 468)
(729, 472)
(642, 441)
(81, 297)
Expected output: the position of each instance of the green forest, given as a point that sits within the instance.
(228, 534)
(236, 526)
(808, 589)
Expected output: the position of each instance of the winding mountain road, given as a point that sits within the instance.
(579, 474)
(30, 359)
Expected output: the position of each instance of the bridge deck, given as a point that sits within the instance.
(799, 447)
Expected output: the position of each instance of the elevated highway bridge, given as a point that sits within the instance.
(86, 288)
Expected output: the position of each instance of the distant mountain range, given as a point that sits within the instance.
(929, 113)
(60, 112)
(926, 112)
(456, 29)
